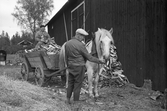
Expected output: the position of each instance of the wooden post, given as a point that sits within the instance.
(65, 27)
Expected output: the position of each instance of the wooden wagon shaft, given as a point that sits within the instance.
(57, 73)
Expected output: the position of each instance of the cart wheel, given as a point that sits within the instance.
(39, 76)
(25, 71)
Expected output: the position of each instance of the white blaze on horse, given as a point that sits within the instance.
(103, 40)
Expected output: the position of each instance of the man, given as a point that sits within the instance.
(42, 37)
(76, 57)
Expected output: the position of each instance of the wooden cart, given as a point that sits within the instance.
(42, 65)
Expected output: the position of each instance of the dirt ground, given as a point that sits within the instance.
(18, 95)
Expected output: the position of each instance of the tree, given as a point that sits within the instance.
(26, 36)
(30, 14)
(15, 39)
(4, 40)
(3, 33)
(7, 39)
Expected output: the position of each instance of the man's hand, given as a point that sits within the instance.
(101, 62)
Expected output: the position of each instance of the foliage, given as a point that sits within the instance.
(4, 40)
(30, 14)
(15, 39)
(10, 46)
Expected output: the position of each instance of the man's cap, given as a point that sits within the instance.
(42, 26)
(81, 31)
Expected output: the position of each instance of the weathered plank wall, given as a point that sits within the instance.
(57, 31)
(156, 42)
(126, 18)
(60, 28)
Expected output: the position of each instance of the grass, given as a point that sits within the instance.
(16, 95)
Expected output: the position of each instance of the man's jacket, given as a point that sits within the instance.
(77, 54)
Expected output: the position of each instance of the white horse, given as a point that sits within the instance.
(103, 40)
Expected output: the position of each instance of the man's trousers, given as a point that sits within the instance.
(76, 77)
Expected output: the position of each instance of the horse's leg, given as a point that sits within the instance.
(96, 85)
(90, 80)
(97, 81)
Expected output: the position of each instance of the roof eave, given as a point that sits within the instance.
(64, 7)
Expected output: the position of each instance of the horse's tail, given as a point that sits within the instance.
(63, 64)
(62, 61)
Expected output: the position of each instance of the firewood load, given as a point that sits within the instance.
(50, 48)
(112, 73)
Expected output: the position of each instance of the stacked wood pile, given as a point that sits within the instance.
(112, 73)
(51, 48)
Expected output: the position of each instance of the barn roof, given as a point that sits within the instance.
(24, 42)
(60, 12)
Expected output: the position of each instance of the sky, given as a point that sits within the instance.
(7, 21)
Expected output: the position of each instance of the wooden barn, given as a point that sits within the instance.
(139, 33)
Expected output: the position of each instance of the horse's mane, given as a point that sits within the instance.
(104, 31)
(100, 33)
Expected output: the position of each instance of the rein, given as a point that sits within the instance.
(88, 43)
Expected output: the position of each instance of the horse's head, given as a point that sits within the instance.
(103, 40)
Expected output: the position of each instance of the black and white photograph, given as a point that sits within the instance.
(83, 55)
